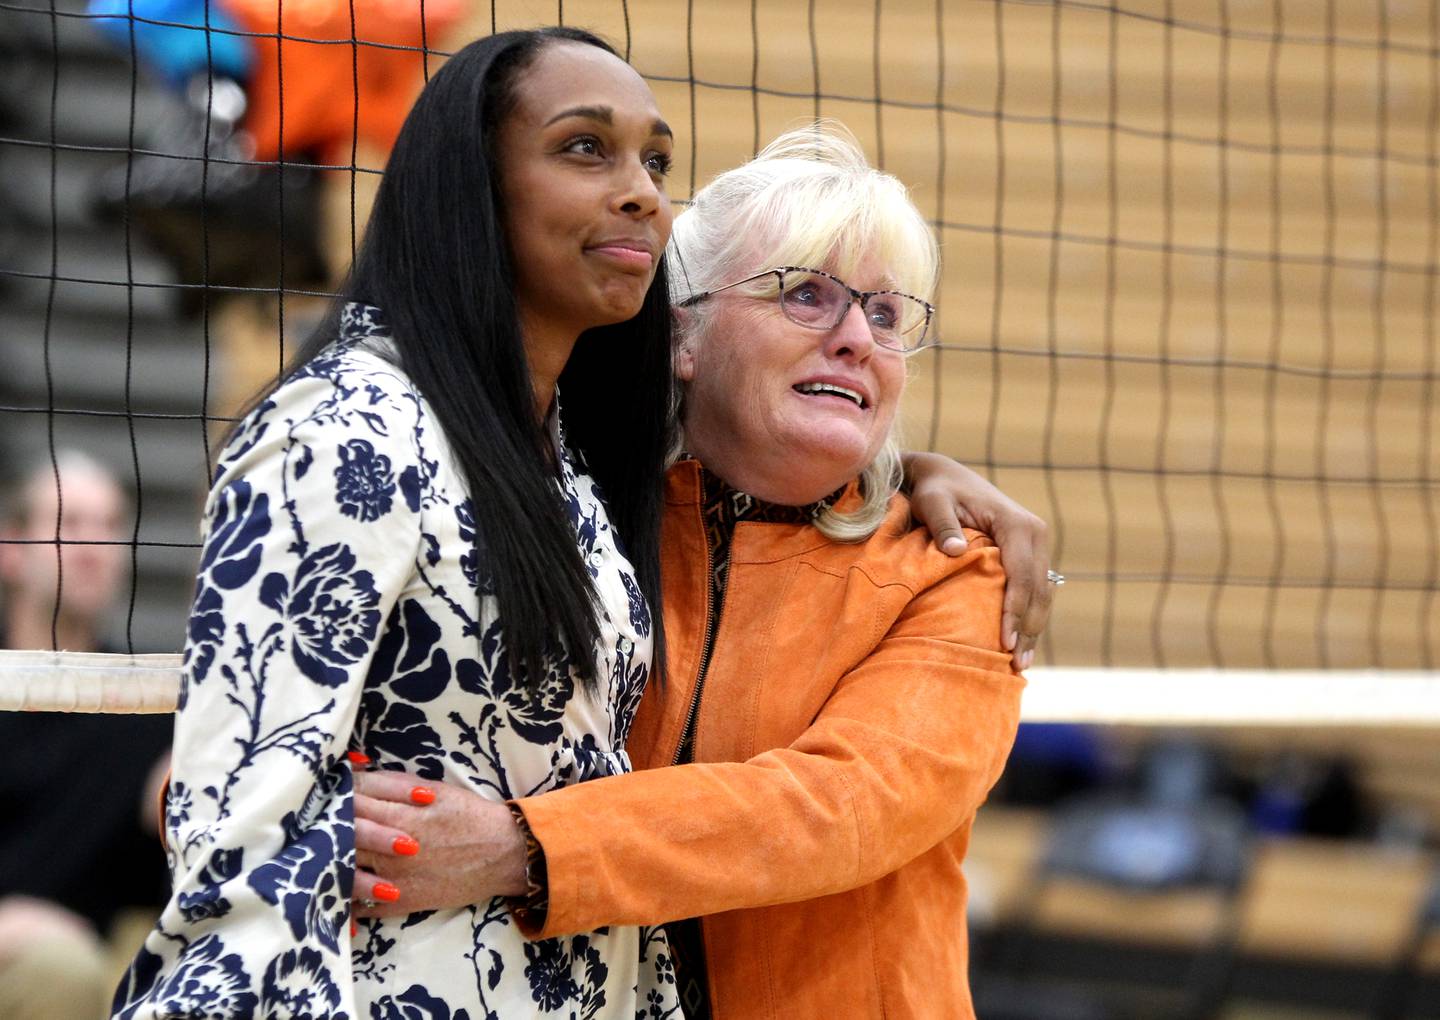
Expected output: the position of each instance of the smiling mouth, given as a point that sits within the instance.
(830, 389)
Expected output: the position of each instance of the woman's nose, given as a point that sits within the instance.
(852, 338)
(637, 194)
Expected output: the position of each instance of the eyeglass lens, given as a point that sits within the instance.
(821, 302)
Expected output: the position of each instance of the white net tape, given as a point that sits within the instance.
(91, 682)
(88, 682)
(1233, 697)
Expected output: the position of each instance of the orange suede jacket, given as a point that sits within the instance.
(856, 711)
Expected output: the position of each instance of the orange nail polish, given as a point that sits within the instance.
(358, 757)
(422, 795)
(354, 928)
(386, 892)
(405, 846)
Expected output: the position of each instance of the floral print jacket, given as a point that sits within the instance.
(342, 604)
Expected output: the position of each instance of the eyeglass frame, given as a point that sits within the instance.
(855, 295)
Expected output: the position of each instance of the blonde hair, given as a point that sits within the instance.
(809, 198)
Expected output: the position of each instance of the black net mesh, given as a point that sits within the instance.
(1188, 305)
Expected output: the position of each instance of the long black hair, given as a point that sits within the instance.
(436, 262)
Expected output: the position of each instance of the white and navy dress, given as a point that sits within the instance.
(342, 605)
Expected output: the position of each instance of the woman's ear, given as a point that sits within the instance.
(684, 344)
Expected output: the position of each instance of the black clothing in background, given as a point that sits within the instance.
(70, 790)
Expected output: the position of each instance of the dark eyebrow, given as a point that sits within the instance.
(601, 113)
(605, 115)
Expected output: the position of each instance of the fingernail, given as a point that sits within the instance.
(386, 892)
(422, 795)
(1027, 659)
(358, 757)
(954, 545)
(1010, 640)
(405, 846)
(354, 928)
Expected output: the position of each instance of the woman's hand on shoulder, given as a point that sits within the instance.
(422, 845)
(946, 496)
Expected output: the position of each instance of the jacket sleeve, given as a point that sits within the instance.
(309, 537)
(902, 753)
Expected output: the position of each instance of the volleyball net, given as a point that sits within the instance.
(1188, 306)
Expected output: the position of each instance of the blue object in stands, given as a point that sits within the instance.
(177, 50)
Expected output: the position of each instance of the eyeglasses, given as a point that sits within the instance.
(817, 300)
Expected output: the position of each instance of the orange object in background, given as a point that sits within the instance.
(311, 92)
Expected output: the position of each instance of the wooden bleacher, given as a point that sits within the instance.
(1312, 901)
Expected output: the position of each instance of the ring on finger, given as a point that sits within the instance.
(367, 904)
(1055, 578)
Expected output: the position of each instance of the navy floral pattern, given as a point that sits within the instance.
(342, 603)
(364, 482)
(297, 987)
(207, 981)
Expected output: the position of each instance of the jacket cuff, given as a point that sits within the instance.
(531, 908)
(550, 820)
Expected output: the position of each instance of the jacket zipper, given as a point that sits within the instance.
(707, 647)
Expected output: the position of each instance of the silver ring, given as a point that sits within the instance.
(367, 904)
(1054, 578)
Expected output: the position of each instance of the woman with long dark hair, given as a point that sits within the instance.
(407, 558)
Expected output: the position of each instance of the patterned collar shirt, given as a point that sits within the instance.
(343, 604)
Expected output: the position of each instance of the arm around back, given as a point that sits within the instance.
(903, 750)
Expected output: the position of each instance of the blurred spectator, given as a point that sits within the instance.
(313, 82)
(91, 516)
(1052, 761)
(198, 194)
(1306, 795)
(171, 38)
(307, 82)
(77, 792)
(329, 94)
